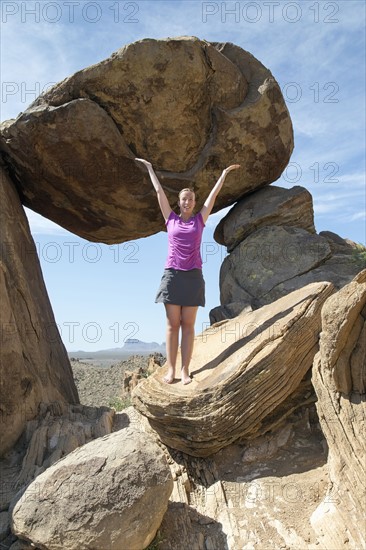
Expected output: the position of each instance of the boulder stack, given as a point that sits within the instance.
(274, 249)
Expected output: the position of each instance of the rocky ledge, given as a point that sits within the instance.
(243, 370)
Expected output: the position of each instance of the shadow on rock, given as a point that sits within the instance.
(198, 531)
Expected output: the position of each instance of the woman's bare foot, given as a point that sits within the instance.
(169, 378)
(186, 379)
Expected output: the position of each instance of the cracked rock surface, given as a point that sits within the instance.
(189, 106)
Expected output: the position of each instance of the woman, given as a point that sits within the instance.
(182, 287)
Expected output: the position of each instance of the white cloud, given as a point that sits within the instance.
(357, 216)
(325, 207)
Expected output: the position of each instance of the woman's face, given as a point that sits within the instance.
(187, 202)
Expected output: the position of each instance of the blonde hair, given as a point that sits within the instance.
(186, 189)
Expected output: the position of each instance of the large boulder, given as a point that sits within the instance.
(58, 429)
(339, 378)
(243, 370)
(35, 367)
(189, 106)
(109, 494)
(270, 263)
(271, 205)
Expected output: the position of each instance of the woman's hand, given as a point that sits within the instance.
(232, 167)
(209, 202)
(146, 162)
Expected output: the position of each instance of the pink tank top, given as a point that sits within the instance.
(184, 242)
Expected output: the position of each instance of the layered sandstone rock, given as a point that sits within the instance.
(188, 106)
(34, 364)
(243, 370)
(274, 250)
(132, 377)
(227, 311)
(58, 430)
(110, 494)
(339, 378)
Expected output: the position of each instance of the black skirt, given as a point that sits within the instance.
(182, 288)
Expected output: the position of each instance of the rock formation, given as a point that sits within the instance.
(274, 250)
(132, 377)
(34, 364)
(256, 494)
(191, 107)
(271, 205)
(58, 430)
(243, 370)
(181, 102)
(109, 494)
(339, 377)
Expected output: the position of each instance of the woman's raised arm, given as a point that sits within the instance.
(162, 198)
(210, 201)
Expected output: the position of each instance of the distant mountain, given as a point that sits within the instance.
(132, 346)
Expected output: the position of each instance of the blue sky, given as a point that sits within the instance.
(102, 295)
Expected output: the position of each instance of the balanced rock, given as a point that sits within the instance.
(271, 205)
(339, 378)
(110, 494)
(189, 106)
(34, 364)
(243, 369)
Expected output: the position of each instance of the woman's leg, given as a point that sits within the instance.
(188, 319)
(173, 314)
